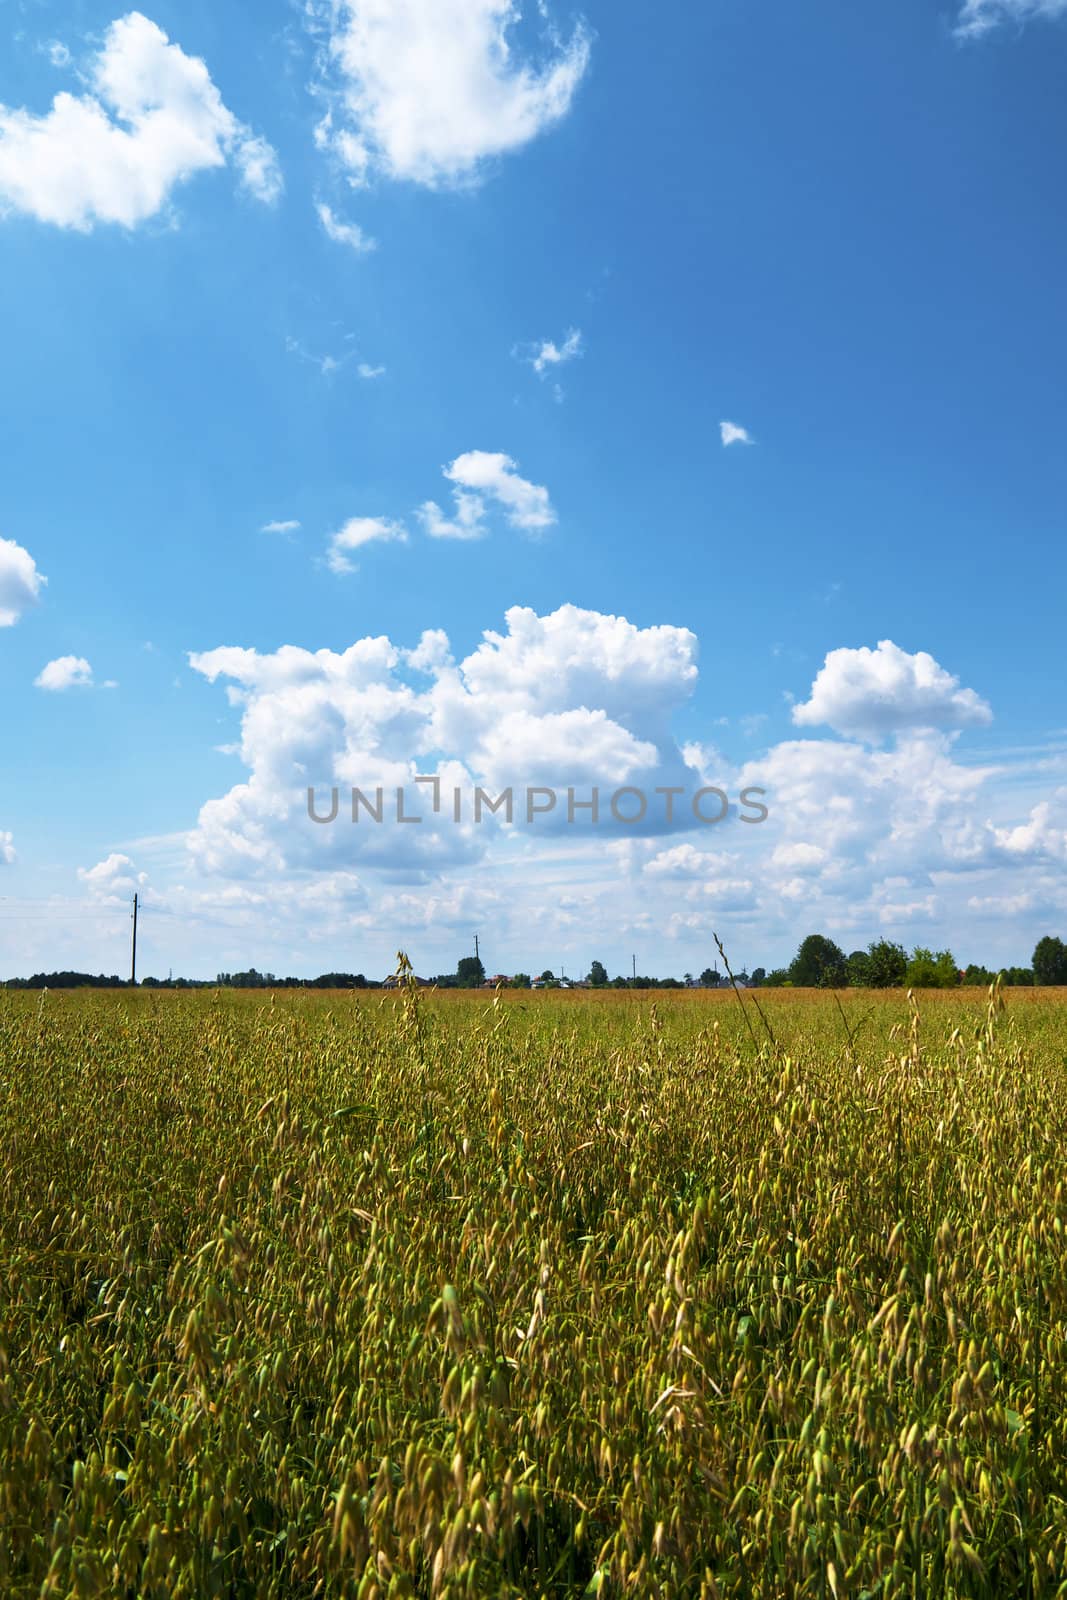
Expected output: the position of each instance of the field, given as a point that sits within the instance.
(398, 1294)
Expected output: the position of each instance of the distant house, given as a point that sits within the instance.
(497, 979)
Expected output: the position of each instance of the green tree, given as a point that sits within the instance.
(858, 967)
(978, 976)
(927, 970)
(887, 964)
(598, 975)
(1050, 961)
(521, 980)
(470, 972)
(759, 977)
(818, 964)
(709, 979)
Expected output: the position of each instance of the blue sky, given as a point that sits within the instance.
(289, 265)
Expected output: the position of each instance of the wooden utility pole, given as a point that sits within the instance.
(133, 961)
(477, 952)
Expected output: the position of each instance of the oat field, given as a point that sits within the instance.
(543, 1295)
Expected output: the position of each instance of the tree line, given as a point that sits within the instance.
(818, 964)
(821, 964)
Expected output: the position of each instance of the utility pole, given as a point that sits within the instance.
(133, 962)
(635, 972)
(477, 952)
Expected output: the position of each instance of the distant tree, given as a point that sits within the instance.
(978, 976)
(759, 977)
(687, 977)
(521, 980)
(778, 978)
(818, 964)
(1050, 961)
(927, 970)
(709, 979)
(548, 976)
(858, 968)
(887, 964)
(470, 972)
(598, 975)
(1018, 977)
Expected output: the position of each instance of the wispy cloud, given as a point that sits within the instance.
(548, 354)
(732, 433)
(978, 17)
(341, 232)
(357, 533)
(280, 527)
(329, 364)
(481, 477)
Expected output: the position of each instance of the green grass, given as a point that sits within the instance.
(325, 1295)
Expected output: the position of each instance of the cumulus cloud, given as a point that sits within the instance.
(978, 17)
(151, 119)
(346, 233)
(358, 532)
(731, 433)
(907, 840)
(574, 698)
(482, 476)
(20, 582)
(113, 881)
(429, 90)
(874, 693)
(7, 850)
(66, 672)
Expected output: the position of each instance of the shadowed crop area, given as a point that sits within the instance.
(424, 1294)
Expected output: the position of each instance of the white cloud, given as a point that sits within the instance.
(113, 881)
(152, 119)
(574, 698)
(58, 54)
(1043, 837)
(873, 693)
(347, 233)
(67, 672)
(906, 840)
(468, 522)
(731, 433)
(7, 850)
(431, 89)
(800, 857)
(549, 354)
(978, 17)
(289, 526)
(20, 582)
(357, 532)
(368, 372)
(481, 477)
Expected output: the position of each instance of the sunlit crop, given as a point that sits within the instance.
(541, 1295)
